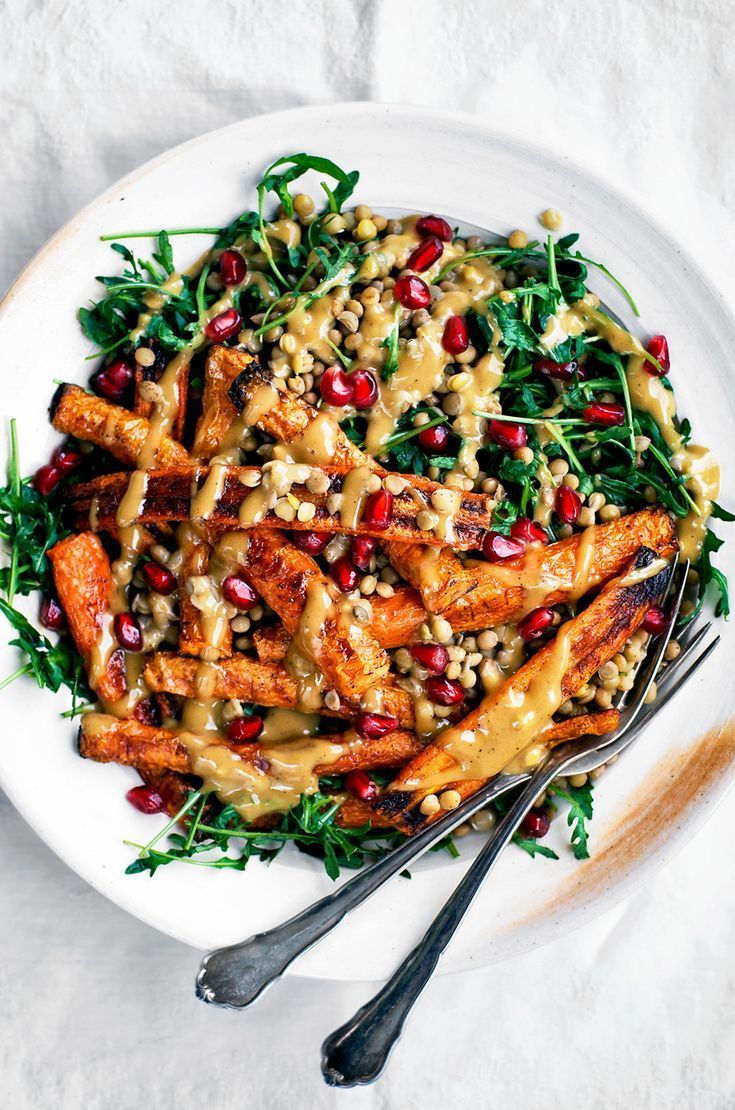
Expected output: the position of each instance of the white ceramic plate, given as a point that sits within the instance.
(417, 160)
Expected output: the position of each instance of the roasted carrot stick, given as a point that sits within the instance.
(83, 581)
(586, 642)
(118, 430)
(441, 577)
(219, 418)
(108, 739)
(196, 554)
(502, 591)
(227, 494)
(270, 684)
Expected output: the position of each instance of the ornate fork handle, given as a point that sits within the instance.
(236, 976)
(358, 1051)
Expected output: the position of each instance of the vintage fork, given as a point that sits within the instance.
(237, 975)
(358, 1051)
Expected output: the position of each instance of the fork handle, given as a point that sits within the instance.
(358, 1051)
(236, 976)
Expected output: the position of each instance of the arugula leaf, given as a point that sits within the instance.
(580, 812)
(390, 343)
(532, 846)
(517, 335)
(51, 665)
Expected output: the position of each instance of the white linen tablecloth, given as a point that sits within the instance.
(634, 1011)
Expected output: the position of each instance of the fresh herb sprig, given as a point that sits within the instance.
(225, 841)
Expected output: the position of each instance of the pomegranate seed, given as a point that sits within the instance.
(426, 254)
(511, 436)
(243, 730)
(224, 325)
(378, 510)
(497, 547)
(535, 824)
(65, 459)
(434, 439)
(345, 574)
(362, 785)
(562, 371)
(372, 726)
(239, 592)
(568, 504)
(313, 543)
(51, 614)
(528, 531)
(46, 479)
(655, 621)
(148, 712)
(456, 337)
(432, 657)
(434, 225)
(362, 550)
(365, 390)
(605, 413)
(659, 348)
(232, 267)
(445, 691)
(127, 631)
(336, 388)
(535, 623)
(112, 382)
(412, 292)
(146, 799)
(158, 578)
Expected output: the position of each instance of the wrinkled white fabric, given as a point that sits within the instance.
(636, 1010)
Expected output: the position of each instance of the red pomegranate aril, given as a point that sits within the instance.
(127, 632)
(456, 337)
(528, 531)
(378, 510)
(335, 386)
(606, 413)
(148, 712)
(46, 479)
(345, 574)
(535, 824)
(362, 550)
(434, 439)
(535, 623)
(159, 579)
(362, 785)
(146, 799)
(562, 371)
(655, 621)
(496, 547)
(232, 267)
(112, 382)
(313, 543)
(434, 225)
(568, 504)
(224, 325)
(426, 254)
(511, 436)
(238, 592)
(51, 614)
(364, 388)
(243, 730)
(659, 348)
(66, 459)
(412, 292)
(445, 691)
(432, 657)
(371, 726)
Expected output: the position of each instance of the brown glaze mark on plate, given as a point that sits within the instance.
(654, 812)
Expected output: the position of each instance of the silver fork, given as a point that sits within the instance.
(358, 1051)
(237, 975)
